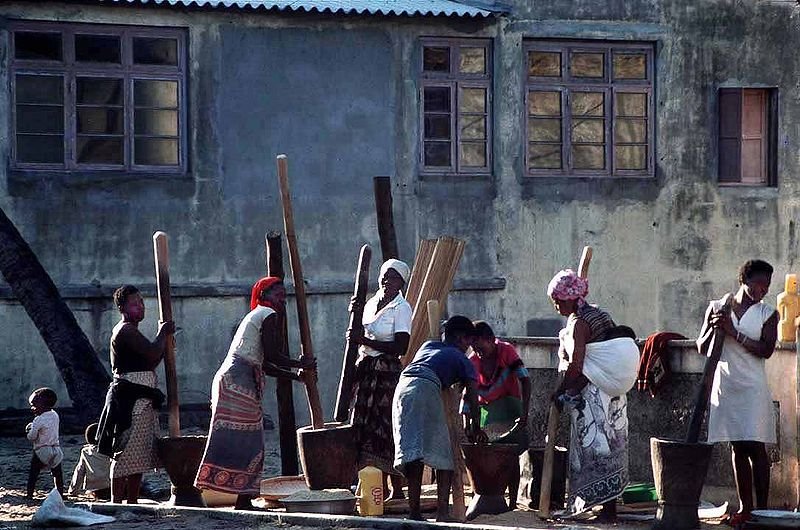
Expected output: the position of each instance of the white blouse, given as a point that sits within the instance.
(395, 317)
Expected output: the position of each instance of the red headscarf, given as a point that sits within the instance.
(259, 287)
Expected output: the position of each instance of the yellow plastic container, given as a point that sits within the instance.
(370, 491)
(788, 309)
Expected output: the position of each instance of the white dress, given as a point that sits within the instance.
(741, 405)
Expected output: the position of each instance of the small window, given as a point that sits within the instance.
(747, 136)
(455, 106)
(589, 108)
(96, 97)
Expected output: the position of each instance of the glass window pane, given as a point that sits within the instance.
(544, 64)
(156, 152)
(157, 122)
(587, 103)
(472, 100)
(97, 48)
(437, 154)
(544, 103)
(40, 149)
(588, 157)
(436, 59)
(100, 121)
(630, 66)
(472, 155)
(630, 104)
(99, 150)
(39, 89)
(148, 93)
(630, 131)
(436, 99)
(37, 46)
(631, 156)
(590, 131)
(544, 156)
(40, 119)
(437, 126)
(147, 50)
(473, 127)
(472, 60)
(544, 130)
(586, 65)
(99, 91)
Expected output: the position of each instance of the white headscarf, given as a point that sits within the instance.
(399, 267)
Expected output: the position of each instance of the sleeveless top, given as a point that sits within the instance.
(246, 343)
(741, 405)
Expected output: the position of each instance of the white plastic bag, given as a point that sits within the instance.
(53, 512)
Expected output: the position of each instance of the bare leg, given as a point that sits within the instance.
(118, 489)
(397, 487)
(244, 502)
(413, 471)
(33, 474)
(760, 461)
(134, 482)
(513, 488)
(445, 479)
(743, 473)
(58, 478)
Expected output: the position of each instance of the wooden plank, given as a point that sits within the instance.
(383, 209)
(421, 262)
(161, 254)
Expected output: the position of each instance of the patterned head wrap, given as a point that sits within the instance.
(567, 285)
(258, 288)
(399, 267)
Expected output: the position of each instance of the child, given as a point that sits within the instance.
(43, 432)
(92, 472)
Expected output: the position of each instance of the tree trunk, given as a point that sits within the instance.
(84, 376)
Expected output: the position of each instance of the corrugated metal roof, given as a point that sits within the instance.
(347, 7)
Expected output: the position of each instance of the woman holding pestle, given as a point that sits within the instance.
(129, 423)
(599, 360)
(740, 409)
(386, 332)
(234, 456)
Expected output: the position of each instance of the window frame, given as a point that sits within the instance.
(70, 69)
(567, 84)
(455, 80)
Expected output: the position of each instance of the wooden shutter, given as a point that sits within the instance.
(730, 134)
(754, 136)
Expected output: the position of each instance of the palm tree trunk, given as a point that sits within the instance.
(84, 375)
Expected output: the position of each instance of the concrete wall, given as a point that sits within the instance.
(339, 96)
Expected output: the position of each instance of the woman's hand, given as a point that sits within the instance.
(355, 304)
(167, 326)
(308, 363)
(355, 336)
(723, 321)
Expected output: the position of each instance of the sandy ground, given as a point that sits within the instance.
(16, 511)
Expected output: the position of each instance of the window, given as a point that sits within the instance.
(589, 108)
(92, 97)
(455, 106)
(747, 136)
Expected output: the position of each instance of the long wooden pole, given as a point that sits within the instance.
(345, 392)
(450, 403)
(287, 427)
(161, 253)
(306, 349)
(553, 418)
(383, 209)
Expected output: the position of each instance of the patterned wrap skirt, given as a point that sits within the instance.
(139, 454)
(376, 380)
(234, 456)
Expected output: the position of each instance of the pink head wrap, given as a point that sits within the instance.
(567, 285)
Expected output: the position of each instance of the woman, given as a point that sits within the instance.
(741, 410)
(129, 423)
(234, 455)
(599, 361)
(387, 330)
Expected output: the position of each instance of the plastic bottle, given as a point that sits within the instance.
(788, 309)
(370, 491)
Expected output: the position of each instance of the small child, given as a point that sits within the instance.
(92, 474)
(43, 432)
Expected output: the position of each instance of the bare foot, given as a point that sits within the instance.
(415, 516)
(446, 518)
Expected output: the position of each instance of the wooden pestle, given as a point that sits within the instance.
(161, 253)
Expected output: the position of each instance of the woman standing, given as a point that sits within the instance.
(387, 330)
(599, 361)
(234, 457)
(741, 410)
